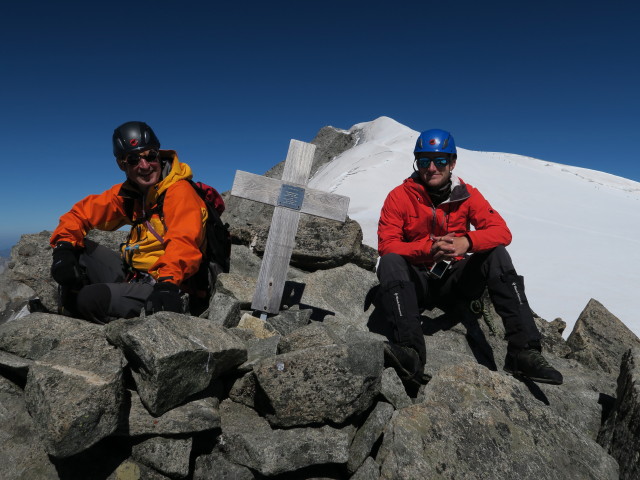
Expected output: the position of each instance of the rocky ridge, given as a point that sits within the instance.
(305, 394)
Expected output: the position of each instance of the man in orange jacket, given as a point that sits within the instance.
(430, 256)
(164, 248)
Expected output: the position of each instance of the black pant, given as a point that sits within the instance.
(106, 296)
(406, 289)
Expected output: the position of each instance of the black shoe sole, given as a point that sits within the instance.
(395, 363)
(520, 375)
(406, 377)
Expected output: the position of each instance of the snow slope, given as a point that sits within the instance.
(576, 232)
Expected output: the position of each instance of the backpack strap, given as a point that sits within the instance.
(129, 210)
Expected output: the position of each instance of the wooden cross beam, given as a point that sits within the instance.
(290, 198)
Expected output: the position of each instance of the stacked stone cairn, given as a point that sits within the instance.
(304, 394)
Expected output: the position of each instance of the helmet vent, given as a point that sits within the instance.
(133, 142)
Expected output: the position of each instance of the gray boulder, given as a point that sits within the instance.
(369, 470)
(37, 334)
(475, 423)
(22, 454)
(244, 261)
(74, 393)
(240, 282)
(14, 365)
(288, 321)
(350, 330)
(131, 470)
(247, 439)
(13, 296)
(196, 416)
(339, 291)
(31, 264)
(552, 340)
(321, 244)
(237, 286)
(584, 399)
(215, 466)
(174, 356)
(368, 434)
(110, 240)
(462, 336)
(170, 456)
(259, 349)
(620, 434)
(224, 310)
(316, 334)
(323, 384)
(581, 400)
(392, 390)
(244, 390)
(599, 339)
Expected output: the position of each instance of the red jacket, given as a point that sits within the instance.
(409, 220)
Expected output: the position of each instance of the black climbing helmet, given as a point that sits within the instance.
(133, 137)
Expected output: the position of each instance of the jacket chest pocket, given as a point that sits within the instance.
(417, 225)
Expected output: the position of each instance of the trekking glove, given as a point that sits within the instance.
(65, 268)
(166, 296)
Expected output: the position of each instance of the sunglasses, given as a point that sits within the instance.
(424, 162)
(133, 159)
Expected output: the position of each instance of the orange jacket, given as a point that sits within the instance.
(409, 220)
(182, 225)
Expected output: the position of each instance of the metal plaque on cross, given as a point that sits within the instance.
(290, 197)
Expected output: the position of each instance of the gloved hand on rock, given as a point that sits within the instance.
(65, 268)
(166, 296)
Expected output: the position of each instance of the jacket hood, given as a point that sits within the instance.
(178, 171)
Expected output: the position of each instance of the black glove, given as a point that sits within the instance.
(65, 268)
(166, 296)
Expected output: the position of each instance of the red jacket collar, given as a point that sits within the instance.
(459, 190)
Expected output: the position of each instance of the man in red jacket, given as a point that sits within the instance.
(430, 256)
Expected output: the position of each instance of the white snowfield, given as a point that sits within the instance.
(576, 232)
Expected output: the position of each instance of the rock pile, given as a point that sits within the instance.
(305, 394)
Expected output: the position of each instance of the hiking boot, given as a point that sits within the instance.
(531, 364)
(406, 362)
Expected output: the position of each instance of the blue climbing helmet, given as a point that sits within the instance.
(435, 140)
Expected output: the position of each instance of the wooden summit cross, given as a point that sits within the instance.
(291, 198)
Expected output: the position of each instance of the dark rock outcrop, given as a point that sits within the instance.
(475, 423)
(620, 434)
(599, 339)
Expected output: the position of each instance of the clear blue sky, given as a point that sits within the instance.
(227, 84)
